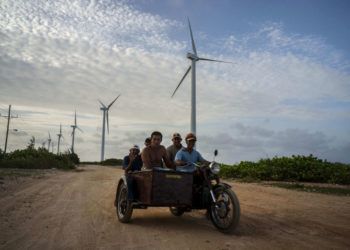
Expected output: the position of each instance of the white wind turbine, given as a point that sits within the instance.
(194, 58)
(75, 126)
(59, 139)
(104, 119)
(49, 142)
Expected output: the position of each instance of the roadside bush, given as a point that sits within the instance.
(74, 158)
(112, 162)
(295, 168)
(40, 158)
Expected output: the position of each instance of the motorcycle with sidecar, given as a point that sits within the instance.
(181, 191)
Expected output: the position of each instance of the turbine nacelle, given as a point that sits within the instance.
(192, 56)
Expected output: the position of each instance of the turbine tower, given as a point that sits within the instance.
(59, 139)
(49, 142)
(193, 56)
(75, 126)
(104, 119)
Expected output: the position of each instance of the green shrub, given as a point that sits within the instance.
(31, 158)
(112, 162)
(295, 168)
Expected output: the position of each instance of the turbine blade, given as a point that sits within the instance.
(75, 118)
(80, 129)
(192, 40)
(188, 70)
(113, 101)
(212, 60)
(102, 104)
(107, 122)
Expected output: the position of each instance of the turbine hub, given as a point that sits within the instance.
(192, 56)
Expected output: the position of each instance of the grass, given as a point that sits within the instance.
(312, 188)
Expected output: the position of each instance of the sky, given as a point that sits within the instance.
(286, 92)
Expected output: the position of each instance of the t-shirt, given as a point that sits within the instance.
(154, 156)
(136, 165)
(184, 155)
(171, 151)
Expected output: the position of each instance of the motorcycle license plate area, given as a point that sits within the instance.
(164, 187)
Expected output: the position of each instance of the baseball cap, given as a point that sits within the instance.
(135, 147)
(176, 135)
(191, 136)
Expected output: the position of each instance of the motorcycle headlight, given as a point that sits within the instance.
(214, 167)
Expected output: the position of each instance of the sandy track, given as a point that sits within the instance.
(74, 210)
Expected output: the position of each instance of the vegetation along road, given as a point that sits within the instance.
(74, 210)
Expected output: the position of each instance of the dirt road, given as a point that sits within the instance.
(74, 210)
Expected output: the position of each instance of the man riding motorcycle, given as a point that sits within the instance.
(186, 157)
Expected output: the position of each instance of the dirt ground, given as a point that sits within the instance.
(74, 210)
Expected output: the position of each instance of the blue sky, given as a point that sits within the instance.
(288, 91)
(328, 20)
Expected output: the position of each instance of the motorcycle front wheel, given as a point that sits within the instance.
(123, 206)
(226, 212)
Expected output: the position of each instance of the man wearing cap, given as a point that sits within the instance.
(173, 149)
(131, 163)
(187, 156)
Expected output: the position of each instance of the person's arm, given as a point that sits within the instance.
(201, 159)
(146, 158)
(125, 162)
(169, 153)
(166, 160)
(179, 159)
(131, 160)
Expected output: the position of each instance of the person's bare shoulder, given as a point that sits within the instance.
(145, 150)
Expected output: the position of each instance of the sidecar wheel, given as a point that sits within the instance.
(124, 208)
(177, 211)
(226, 212)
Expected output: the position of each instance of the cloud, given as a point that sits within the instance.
(59, 56)
(253, 143)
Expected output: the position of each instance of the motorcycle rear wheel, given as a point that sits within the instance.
(226, 212)
(124, 207)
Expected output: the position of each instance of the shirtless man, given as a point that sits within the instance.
(154, 154)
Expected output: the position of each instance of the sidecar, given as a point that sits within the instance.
(156, 187)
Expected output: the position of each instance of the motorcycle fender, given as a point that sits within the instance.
(223, 185)
(121, 180)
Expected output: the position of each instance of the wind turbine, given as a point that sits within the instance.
(59, 139)
(49, 142)
(75, 126)
(104, 119)
(193, 56)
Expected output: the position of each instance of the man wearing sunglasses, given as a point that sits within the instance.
(173, 149)
(154, 154)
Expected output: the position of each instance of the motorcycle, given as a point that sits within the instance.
(181, 191)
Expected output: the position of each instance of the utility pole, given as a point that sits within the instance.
(8, 125)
